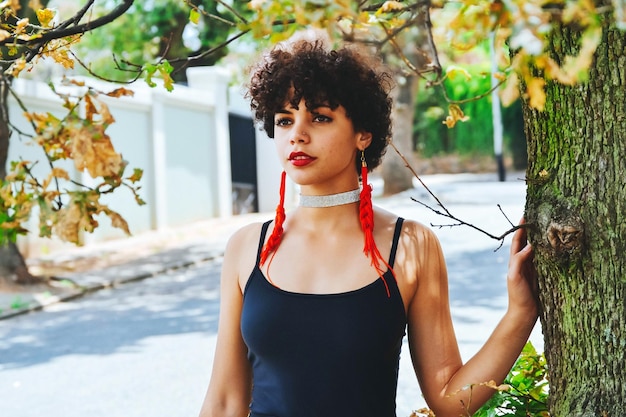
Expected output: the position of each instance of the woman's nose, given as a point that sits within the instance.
(300, 136)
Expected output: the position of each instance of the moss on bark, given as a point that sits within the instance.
(577, 203)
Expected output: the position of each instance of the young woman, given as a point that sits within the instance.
(315, 304)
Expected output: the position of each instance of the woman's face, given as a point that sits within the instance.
(317, 147)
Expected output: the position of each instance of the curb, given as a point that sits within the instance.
(110, 277)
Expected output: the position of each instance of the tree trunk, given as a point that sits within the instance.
(395, 175)
(13, 269)
(576, 203)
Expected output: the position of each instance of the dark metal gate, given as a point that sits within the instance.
(243, 164)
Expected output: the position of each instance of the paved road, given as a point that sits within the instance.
(145, 348)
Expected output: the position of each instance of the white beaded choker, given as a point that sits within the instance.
(331, 200)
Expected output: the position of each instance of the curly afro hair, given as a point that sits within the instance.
(307, 69)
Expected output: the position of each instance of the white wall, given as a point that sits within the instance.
(180, 140)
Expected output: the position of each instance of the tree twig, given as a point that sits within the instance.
(444, 212)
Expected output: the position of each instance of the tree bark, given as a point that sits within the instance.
(576, 204)
(393, 170)
(13, 269)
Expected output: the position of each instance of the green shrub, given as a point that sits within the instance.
(525, 389)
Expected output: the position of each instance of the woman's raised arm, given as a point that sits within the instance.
(434, 349)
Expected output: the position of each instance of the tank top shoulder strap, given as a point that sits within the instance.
(262, 240)
(394, 242)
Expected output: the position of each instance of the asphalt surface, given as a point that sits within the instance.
(145, 347)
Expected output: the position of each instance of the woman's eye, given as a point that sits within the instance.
(321, 118)
(283, 121)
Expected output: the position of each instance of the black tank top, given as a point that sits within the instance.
(323, 355)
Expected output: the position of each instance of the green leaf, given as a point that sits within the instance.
(194, 16)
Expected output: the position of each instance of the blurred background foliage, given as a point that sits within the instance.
(468, 139)
(158, 29)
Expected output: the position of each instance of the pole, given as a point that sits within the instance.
(495, 110)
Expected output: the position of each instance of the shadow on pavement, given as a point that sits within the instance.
(478, 279)
(158, 306)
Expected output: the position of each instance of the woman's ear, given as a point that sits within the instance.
(364, 139)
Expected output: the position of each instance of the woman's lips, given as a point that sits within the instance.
(300, 159)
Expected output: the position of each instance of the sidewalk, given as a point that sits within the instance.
(82, 270)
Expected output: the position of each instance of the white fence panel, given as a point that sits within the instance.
(179, 139)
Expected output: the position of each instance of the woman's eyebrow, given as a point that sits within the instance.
(310, 109)
(320, 106)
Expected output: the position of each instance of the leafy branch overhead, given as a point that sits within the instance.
(407, 33)
(522, 31)
(66, 202)
(66, 206)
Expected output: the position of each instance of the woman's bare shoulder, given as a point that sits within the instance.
(414, 231)
(240, 254)
(244, 238)
(418, 229)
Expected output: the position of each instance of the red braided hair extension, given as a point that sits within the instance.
(277, 233)
(366, 215)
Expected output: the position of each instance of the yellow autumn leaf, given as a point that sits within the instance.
(136, 176)
(105, 115)
(500, 76)
(510, 92)
(455, 115)
(490, 384)
(390, 6)
(62, 56)
(536, 93)
(578, 66)
(92, 150)
(45, 17)
(14, 5)
(23, 209)
(17, 67)
(90, 108)
(168, 81)
(68, 222)
(120, 92)
(117, 221)
(55, 173)
(21, 25)
(452, 71)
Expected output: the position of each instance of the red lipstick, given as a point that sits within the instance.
(300, 159)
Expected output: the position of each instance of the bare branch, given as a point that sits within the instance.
(218, 18)
(444, 212)
(475, 98)
(210, 51)
(137, 72)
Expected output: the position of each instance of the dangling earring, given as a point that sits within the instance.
(277, 233)
(366, 215)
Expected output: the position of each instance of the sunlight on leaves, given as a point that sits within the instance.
(45, 17)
